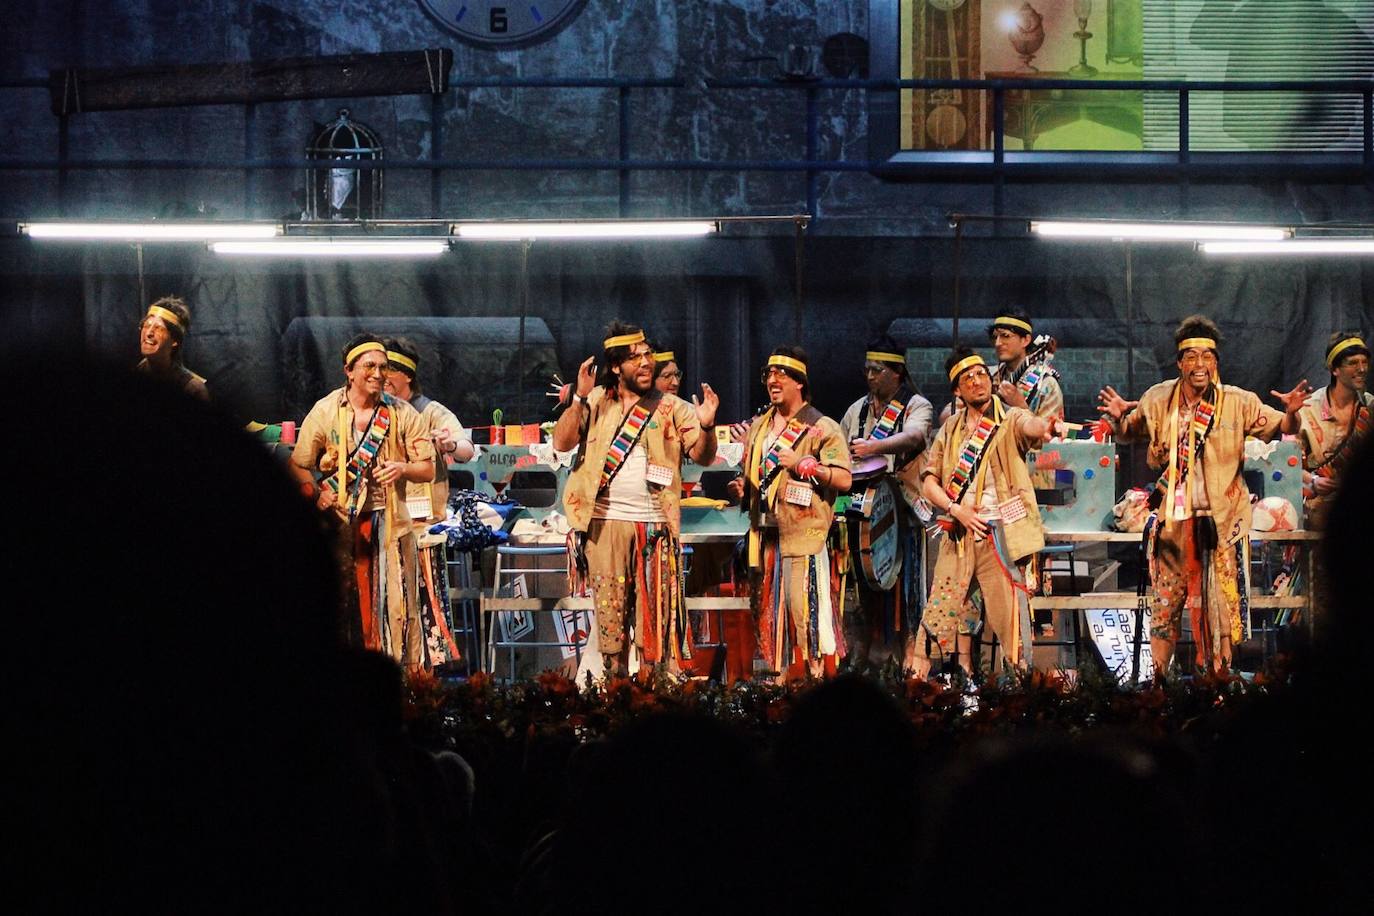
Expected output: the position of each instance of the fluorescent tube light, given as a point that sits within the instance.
(1183, 232)
(330, 247)
(1293, 247)
(609, 229)
(151, 231)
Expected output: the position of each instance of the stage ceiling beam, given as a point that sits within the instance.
(425, 71)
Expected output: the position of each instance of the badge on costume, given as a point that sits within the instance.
(658, 475)
(1013, 510)
(798, 494)
(419, 501)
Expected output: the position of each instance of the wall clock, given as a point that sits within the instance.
(503, 24)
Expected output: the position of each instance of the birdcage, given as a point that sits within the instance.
(335, 192)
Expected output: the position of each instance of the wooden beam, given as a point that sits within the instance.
(339, 76)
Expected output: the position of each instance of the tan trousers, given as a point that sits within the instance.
(635, 573)
(950, 613)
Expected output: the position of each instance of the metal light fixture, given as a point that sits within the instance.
(585, 229)
(1162, 232)
(152, 231)
(334, 247)
(1291, 247)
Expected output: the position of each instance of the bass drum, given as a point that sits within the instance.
(875, 534)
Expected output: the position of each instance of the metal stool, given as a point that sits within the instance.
(501, 603)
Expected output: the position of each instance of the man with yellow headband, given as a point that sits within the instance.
(892, 423)
(1332, 422)
(1022, 379)
(796, 462)
(976, 474)
(622, 498)
(369, 445)
(452, 443)
(667, 372)
(161, 338)
(1195, 428)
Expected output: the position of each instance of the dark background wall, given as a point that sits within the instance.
(880, 251)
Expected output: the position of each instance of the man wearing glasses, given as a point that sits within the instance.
(369, 445)
(889, 427)
(1195, 428)
(622, 498)
(795, 465)
(976, 474)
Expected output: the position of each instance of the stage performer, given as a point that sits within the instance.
(976, 475)
(161, 337)
(1196, 427)
(887, 431)
(452, 443)
(667, 372)
(796, 463)
(369, 445)
(622, 498)
(1332, 422)
(1024, 376)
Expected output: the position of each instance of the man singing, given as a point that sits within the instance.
(1196, 427)
(623, 497)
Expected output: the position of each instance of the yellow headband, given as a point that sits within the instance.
(401, 359)
(1012, 322)
(667, 356)
(1189, 343)
(624, 340)
(157, 311)
(788, 362)
(360, 349)
(968, 362)
(878, 356)
(1335, 352)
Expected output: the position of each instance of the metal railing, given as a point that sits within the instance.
(885, 159)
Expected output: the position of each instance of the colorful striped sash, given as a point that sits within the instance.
(970, 458)
(768, 463)
(363, 455)
(1196, 432)
(631, 428)
(887, 423)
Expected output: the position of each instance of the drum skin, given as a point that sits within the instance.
(875, 533)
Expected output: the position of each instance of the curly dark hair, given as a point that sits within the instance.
(615, 355)
(1197, 326)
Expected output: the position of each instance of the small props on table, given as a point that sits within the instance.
(497, 431)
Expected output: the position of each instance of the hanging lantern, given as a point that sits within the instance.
(344, 193)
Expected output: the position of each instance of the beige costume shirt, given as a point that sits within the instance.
(672, 430)
(1223, 459)
(317, 448)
